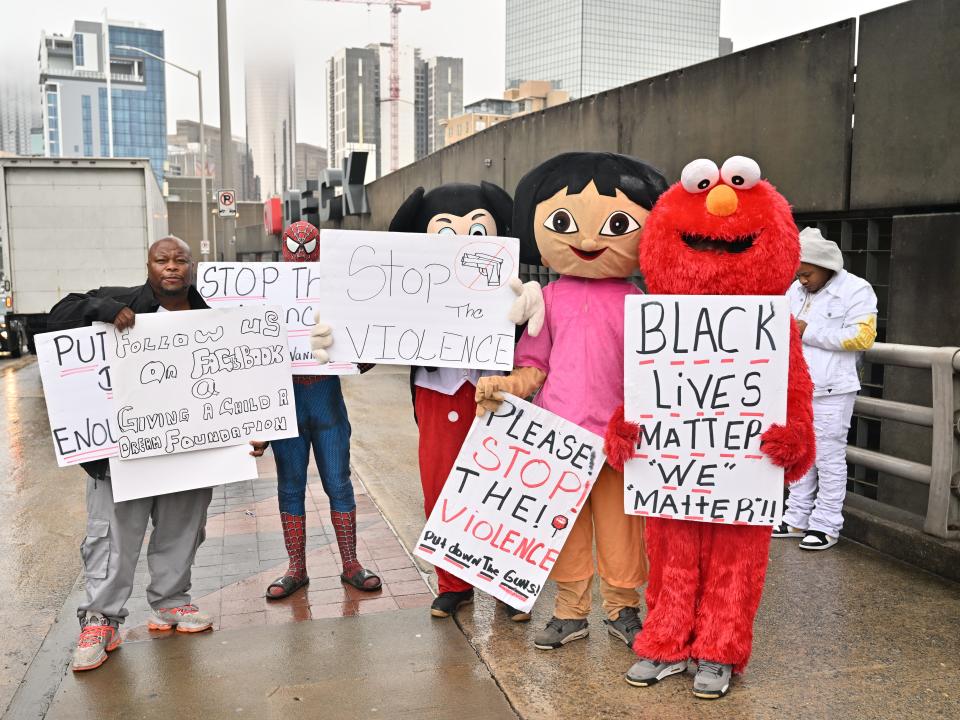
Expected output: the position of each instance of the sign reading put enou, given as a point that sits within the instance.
(704, 377)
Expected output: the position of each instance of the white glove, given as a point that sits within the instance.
(528, 307)
(321, 337)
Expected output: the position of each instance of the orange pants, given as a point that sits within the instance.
(621, 554)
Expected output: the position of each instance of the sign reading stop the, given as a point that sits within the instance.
(227, 203)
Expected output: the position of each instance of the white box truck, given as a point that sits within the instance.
(70, 225)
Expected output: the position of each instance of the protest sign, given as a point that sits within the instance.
(200, 379)
(295, 287)
(705, 376)
(516, 487)
(163, 474)
(415, 299)
(76, 384)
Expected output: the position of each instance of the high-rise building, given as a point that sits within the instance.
(588, 46)
(353, 113)
(19, 113)
(529, 96)
(74, 94)
(311, 162)
(359, 107)
(271, 122)
(185, 158)
(444, 97)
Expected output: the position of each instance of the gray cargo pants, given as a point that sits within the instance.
(115, 534)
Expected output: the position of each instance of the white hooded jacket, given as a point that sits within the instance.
(841, 322)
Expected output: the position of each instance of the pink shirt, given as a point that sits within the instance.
(580, 349)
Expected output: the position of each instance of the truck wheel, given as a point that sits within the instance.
(15, 343)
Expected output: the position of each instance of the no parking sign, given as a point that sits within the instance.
(227, 203)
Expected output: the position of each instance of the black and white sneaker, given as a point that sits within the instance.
(783, 530)
(816, 540)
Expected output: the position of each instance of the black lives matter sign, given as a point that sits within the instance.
(705, 376)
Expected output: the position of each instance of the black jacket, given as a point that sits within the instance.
(102, 305)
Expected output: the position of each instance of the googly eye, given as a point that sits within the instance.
(446, 230)
(292, 245)
(740, 172)
(478, 229)
(310, 245)
(561, 221)
(619, 223)
(699, 176)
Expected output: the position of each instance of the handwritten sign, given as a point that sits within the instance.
(413, 299)
(518, 483)
(705, 376)
(76, 383)
(296, 287)
(200, 379)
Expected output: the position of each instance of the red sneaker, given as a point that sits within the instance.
(98, 637)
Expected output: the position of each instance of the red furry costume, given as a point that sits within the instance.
(718, 233)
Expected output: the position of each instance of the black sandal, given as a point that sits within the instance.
(289, 584)
(358, 579)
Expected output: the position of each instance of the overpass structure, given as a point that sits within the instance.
(854, 123)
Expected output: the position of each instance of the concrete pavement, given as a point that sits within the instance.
(843, 634)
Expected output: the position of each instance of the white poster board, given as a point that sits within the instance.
(201, 379)
(163, 474)
(83, 421)
(705, 376)
(514, 492)
(76, 384)
(415, 299)
(295, 287)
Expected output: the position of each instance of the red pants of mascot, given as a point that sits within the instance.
(703, 591)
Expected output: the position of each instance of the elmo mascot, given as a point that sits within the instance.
(717, 232)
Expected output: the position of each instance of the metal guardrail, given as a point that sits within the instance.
(943, 472)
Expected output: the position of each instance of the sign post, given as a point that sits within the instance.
(704, 377)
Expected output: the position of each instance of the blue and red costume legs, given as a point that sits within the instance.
(444, 422)
(324, 426)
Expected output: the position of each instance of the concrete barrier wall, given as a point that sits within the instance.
(786, 103)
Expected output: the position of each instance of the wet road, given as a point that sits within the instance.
(41, 523)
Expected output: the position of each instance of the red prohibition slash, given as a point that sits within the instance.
(760, 361)
(647, 362)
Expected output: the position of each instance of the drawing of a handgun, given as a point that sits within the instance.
(486, 265)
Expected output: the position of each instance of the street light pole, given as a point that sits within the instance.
(203, 143)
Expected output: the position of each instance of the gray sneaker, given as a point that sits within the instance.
(712, 680)
(626, 626)
(98, 636)
(644, 672)
(559, 632)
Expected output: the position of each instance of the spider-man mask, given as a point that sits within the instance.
(300, 243)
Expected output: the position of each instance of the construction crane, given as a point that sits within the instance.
(395, 6)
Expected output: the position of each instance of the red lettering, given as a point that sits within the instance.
(566, 488)
(443, 512)
(516, 451)
(491, 451)
(549, 559)
(523, 473)
(476, 530)
(510, 538)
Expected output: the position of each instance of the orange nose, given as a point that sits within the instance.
(722, 201)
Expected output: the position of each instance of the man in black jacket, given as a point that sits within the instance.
(115, 530)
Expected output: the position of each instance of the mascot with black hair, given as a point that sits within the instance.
(443, 398)
(581, 214)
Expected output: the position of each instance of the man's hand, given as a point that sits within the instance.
(801, 326)
(258, 447)
(321, 337)
(124, 319)
(528, 307)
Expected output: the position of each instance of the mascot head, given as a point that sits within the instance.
(300, 242)
(582, 213)
(457, 209)
(720, 232)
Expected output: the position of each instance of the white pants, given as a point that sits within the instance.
(816, 500)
